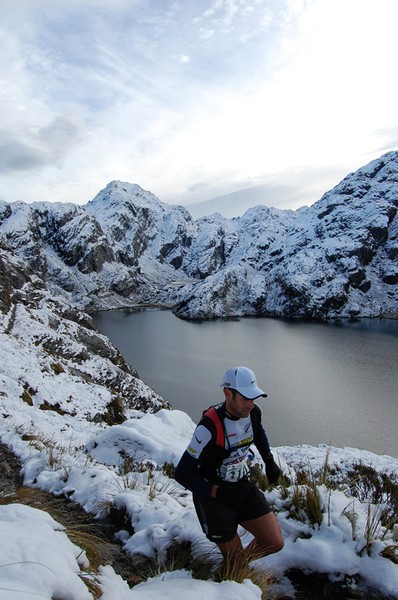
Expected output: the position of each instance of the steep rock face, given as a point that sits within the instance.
(337, 258)
(142, 224)
(211, 246)
(333, 264)
(121, 249)
(14, 274)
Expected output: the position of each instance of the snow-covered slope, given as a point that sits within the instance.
(54, 361)
(337, 258)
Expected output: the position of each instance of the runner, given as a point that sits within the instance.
(215, 467)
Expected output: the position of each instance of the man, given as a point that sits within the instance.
(215, 467)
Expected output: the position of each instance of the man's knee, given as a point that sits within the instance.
(272, 546)
(278, 544)
(270, 542)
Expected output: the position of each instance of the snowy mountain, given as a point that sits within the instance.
(53, 358)
(87, 429)
(337, 258)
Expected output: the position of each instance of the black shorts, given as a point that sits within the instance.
(220, 522)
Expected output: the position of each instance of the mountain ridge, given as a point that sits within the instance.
(126, 248)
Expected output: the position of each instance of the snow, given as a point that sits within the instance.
(37, 558)
(161, 511)
(69, 453)
(178, 585)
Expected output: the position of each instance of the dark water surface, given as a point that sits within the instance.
(334, 383)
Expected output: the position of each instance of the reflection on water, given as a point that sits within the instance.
(333, 383)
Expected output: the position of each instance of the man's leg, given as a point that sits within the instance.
(235, 559)
(232, 548)
(267, 535)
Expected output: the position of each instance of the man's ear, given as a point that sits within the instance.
(228, 393)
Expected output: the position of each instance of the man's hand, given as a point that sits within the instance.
(272, 470)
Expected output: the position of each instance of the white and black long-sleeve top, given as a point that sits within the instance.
(204, 463)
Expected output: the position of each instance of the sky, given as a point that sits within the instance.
(194, 99)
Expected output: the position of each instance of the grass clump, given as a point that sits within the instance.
(206, 565)
(381, 489)
(372, 513)
(115, 411)
(169, 469)
(57, 368)
(28, 393)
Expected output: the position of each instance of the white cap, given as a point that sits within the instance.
(243, 380)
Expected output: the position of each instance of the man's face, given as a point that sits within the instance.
(237, 405)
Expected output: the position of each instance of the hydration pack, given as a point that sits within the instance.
(213, 413)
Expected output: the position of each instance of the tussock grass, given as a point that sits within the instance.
(207, 565)
(92, 584)
(234, 568)
(58, 456)
(308, 499)
(92, 545)
(28, 496)
(133, 473)
(391, 552)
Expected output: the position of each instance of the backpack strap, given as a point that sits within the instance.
(212, 414)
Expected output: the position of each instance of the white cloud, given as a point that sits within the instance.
(189, 100)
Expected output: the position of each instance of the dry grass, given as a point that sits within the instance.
(391, 552)
(92, 584)
(93, 545)
(28, 496)
(233, 568)
(207, 565)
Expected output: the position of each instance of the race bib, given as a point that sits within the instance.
(234, 471)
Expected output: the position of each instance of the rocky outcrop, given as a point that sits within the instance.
(336, 258)
(48, 347)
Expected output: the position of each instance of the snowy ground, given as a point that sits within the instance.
(57, 378)
(38, 561)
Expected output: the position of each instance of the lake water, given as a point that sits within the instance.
(334, 383)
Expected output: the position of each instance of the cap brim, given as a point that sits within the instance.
(251, 393)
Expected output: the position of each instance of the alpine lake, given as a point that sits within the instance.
(333, 383)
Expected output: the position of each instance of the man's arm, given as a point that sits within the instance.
(187, 471)
(260, 437)
(187, 474)
(261, 441)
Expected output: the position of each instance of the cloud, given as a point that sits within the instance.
(16, 156)
(61, 135)
(291, 189)
(388, 138)
(48, 145)
(192, 99)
